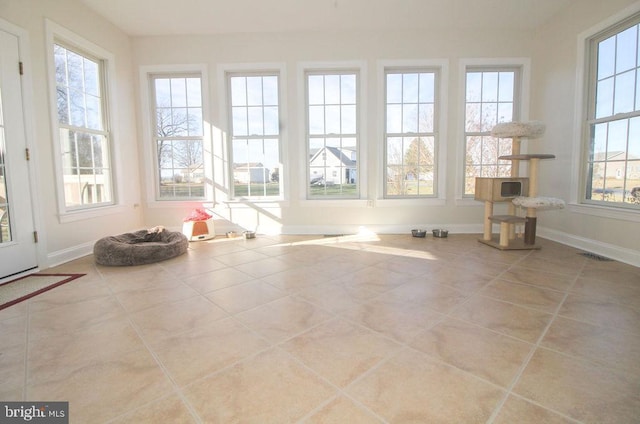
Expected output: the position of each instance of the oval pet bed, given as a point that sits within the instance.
(140, 247)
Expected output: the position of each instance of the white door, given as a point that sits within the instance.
(17, 241)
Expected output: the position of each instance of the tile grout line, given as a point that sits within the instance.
(26, 350)
(533, 350)
(159, 363)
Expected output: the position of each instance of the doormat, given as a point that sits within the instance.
(595, 257)
(23, 288)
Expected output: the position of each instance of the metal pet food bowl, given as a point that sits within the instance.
(440, 233)
(419, 233)
(249, 234)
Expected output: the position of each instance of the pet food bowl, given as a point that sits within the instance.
(232, 234)
(419, 233)
(249, 234)
(440, 233)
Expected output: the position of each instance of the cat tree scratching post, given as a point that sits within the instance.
(492, 190)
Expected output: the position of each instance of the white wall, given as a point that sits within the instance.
(296, 215)
(63, 241)
(554, 94)
(552, 50)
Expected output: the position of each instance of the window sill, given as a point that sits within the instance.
(422, 202)
(264, 203)
(605, 212)
(469, 201)
(336, 203)
(81, 215)
(172, 204)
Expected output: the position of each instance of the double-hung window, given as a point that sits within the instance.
(332, 134)
(491, 96)
(255, 135)
(410, 135)
(612, 159)
(83, 128)
(178, 136)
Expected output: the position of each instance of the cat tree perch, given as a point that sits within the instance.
(517, 191)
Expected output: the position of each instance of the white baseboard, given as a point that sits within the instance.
(69, 254)
(618, 253)
(622, 254)
(379, 229)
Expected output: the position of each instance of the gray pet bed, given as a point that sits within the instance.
(140, 247)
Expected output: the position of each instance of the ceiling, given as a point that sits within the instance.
(171, 17)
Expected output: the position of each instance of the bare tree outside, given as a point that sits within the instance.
(489, 100)
(410, 128)
(178, 137)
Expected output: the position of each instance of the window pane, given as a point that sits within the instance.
(410, 118)
(178, 115)
(626, 49)
(162, 92)
(489, 116)
(410, 159)
(332, 160)
(316, 89)
(332, 119)
(316, 120)
(624, 92)
(84, 146)
(75, 67)
(426, 114)
(606, 58)
(348, 117)
(394, 118)
(270, 87)
(427, 88)
(254, 91)
(634, 138)
(394, 88)
(472, 117)
(490, 87)
(505, 112)
(506, 86)
(178, 92)
(271, 122)
(498, 98)
(194, 92)
(179, 122)
(63, 105)
(195, 121)
(332, 89)
(238, 91)
(91, 78)
(256, 161)
(604, 98)
(256, 124)
(410, 88)
(348, 89)
(94, 112)
(77, 108)
(474, 86)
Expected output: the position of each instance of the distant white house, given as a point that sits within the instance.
(250, 173)
(616, 165)
(333, 165)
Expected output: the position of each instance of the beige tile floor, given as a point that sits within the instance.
(353, 329)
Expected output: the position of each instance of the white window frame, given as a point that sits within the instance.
(358, 67)
(522, 106)
(147, 107)
(223, 169)
(577, 201)
(58, 34)
(253, 73)
(441, 109)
